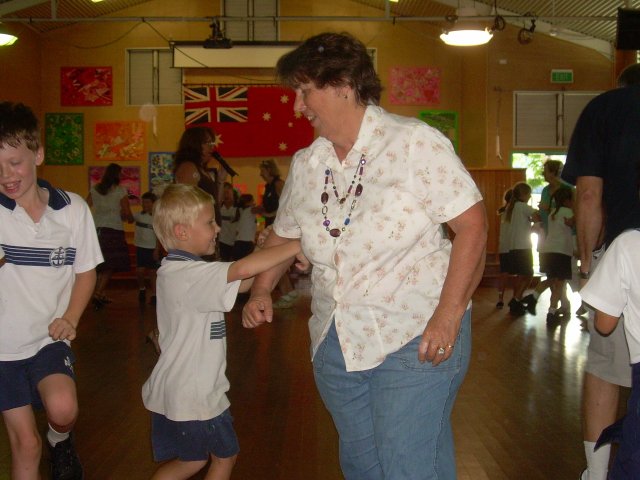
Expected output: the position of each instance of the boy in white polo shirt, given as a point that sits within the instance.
(50, 252)
(614, 290)
(186, 391)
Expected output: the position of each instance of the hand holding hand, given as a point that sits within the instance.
(258, 310)
(303, 265)
(62, 329)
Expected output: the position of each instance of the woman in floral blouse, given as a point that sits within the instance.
(390, 326)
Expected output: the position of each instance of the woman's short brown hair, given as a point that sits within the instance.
(332, 59)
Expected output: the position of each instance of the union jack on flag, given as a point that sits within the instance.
(229, 104)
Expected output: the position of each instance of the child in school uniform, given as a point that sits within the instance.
(229, 216)
(614, 290)
(147, 249)
(520, 215)
(558, 249)
(50, 252)
(503, 248)
(186, 392)
(246, 227)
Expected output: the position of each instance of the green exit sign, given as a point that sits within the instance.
(561, 76)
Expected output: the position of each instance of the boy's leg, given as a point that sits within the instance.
(178, 470)
(26, 446)
(220, 468)
(53, 375)
(58, 394)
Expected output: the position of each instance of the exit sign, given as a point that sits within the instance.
(561, 76)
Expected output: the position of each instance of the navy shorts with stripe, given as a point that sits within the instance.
(19, 378)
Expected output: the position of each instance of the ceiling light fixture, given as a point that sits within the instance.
(6, 38)
(465, 31)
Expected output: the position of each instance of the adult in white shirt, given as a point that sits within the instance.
(390, 325)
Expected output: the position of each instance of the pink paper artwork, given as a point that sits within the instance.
(414, 86)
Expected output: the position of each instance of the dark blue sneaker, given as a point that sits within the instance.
(65, 464)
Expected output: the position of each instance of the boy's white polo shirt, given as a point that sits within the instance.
(189, 380)
(42, 260)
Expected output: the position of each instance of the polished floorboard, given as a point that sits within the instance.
(517, 415)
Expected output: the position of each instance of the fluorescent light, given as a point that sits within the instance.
(6, 38)
(466, 38)
(466, 31)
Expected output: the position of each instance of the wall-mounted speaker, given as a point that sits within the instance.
(628, 34)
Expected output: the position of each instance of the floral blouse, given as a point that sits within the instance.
(381, 277)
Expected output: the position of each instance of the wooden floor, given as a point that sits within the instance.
(517, 415)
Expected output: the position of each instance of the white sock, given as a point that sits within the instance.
(55, 437)
(598, 461)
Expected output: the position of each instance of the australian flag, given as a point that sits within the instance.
(248, 121)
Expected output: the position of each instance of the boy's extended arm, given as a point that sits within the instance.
(605, 323)
(64, 327)
(262, 260)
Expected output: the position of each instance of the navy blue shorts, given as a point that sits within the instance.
(195, 440)
(558, 265)
(521, 262)
(144, 258)
(19, 378)
(505, 263)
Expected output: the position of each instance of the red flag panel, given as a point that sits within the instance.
(249, 121)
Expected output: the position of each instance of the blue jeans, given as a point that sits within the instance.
(394, 420)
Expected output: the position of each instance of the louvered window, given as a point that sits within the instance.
(252, 30)
(151, 78)
(547, 119)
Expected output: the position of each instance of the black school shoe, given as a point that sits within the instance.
(65, 464)
(530, 302)
(516, 308)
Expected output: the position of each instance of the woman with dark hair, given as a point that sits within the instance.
(391, 319)
(110, 205)
(196, 151)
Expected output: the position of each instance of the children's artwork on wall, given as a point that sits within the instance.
(86, 86)
(120, 141)
(160, 171)
(414, 86)
(443, 120)
(63, 139)
(129, 179)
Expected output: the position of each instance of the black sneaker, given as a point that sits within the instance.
(530, 302)
(516, 308)
(142, 296)
(552, 319)
(65, 464)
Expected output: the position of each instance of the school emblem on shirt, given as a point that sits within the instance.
(57, 257)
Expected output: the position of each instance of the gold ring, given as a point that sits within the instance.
(449, 346)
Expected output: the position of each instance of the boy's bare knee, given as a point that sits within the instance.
(26, 447)
(62, 411)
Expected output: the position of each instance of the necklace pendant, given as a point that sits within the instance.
(342, 200)
(335, 232)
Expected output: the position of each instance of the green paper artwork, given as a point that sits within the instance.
(443, 120)
(64, 142)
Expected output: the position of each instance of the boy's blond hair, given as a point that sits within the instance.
(178, 204)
